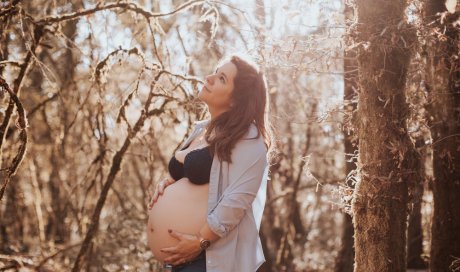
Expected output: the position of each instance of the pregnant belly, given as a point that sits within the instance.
(183, 208)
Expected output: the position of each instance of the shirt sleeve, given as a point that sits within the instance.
(246, 172)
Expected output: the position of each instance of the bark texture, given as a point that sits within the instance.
(345, 258)
(443, 88)
(386, 151)
(415, 239)
(415, 230)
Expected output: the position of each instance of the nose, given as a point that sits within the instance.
(210, 79)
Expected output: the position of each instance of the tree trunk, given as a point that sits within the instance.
(266, 234)
(443, 108)
(385, 150)
(415, 230)
(415, 238)
(344, 261)
(57, 229)
(12, 221)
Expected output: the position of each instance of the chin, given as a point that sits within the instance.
(203, 99)
(200, 95)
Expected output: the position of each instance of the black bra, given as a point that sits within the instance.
(196, 166)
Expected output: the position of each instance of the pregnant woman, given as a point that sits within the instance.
(206, 215)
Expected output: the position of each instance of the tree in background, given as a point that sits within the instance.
(85, 138)
(420, 194)
(345, 258)
(87, 73)
(386, 153)
(441, 49)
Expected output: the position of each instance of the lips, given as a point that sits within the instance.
(206, 89)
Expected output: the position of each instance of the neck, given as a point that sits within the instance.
(216, 112)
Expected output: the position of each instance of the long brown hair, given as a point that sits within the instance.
(249, 105)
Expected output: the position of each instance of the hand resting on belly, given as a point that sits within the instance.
(183, 208)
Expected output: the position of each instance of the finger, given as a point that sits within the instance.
(152, 201)
(165, 184)
(176, 234)
(174, 259)
(180, 261)
(169, 250)
(149, 194)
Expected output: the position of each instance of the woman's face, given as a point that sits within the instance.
(218, 87)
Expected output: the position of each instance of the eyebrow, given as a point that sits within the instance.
(226, 78)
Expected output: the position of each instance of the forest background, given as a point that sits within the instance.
(365, 101)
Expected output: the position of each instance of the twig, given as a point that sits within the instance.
(10, 62)
(442, 139)
(114, 169)
(10, 8)
(41, 104)
(42, 262)
(38, 33)
(22, 125)
(18, 260)
(117, 5)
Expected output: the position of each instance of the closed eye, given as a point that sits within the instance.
(223, 77)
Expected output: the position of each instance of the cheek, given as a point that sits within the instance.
(220, 96)
(225, 96)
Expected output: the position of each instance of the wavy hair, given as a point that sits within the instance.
(250, 104)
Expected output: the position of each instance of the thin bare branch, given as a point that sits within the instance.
(38, 33)
(10, 62)
(114, 169)
(10, 10)
(22, 125)
(40, 105)
(127, 5)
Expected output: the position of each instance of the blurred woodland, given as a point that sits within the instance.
(365, 101)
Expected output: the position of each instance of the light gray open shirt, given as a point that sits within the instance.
(237, 193)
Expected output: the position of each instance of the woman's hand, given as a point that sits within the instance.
(186, 250)
(159, 190)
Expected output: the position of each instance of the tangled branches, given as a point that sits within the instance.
(22, 125)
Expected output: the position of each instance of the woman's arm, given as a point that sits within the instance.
(247, 172)
(247, 169)
(207, 233)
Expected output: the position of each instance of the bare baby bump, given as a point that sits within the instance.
(182, 207)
